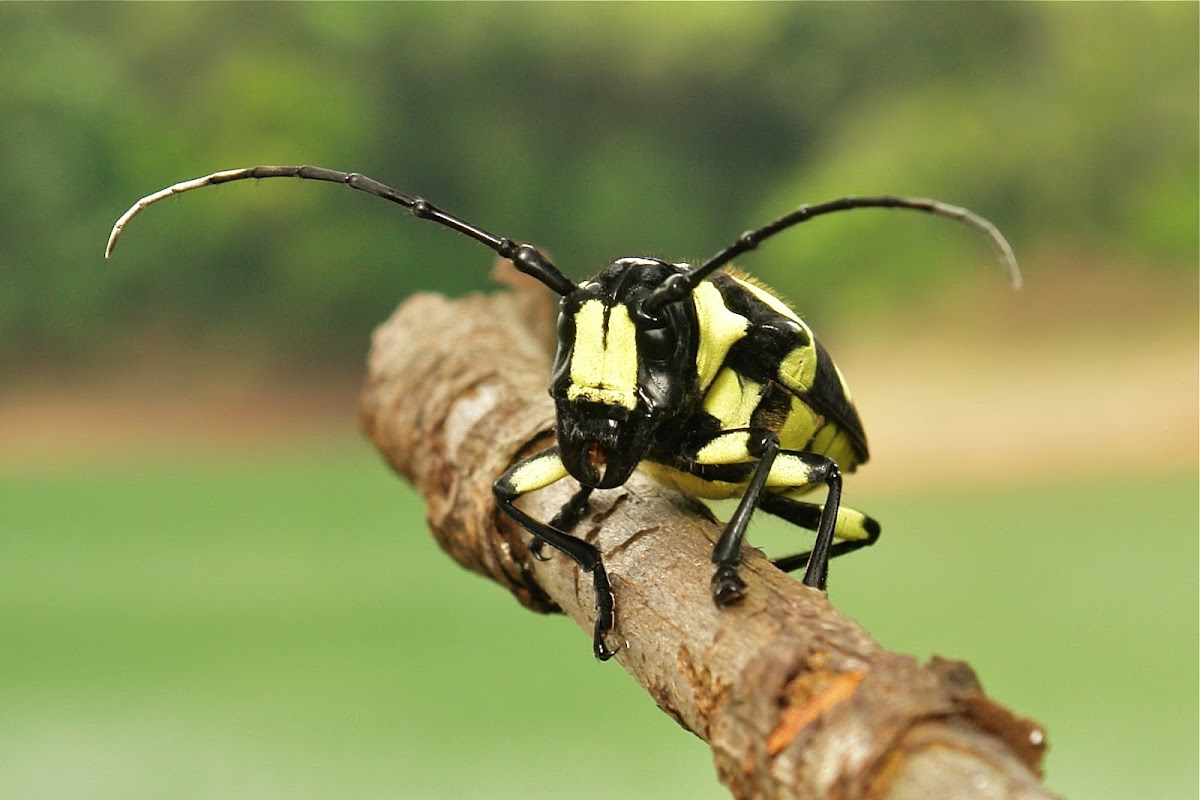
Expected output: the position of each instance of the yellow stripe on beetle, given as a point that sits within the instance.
(722, 329)
(766, 296)
(732, 399)
(604, 364)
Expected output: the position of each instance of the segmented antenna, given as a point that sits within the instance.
(526, 257)
(679, 286)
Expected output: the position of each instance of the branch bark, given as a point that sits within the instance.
(795, 699)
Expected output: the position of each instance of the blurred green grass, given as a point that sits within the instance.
(281, 624)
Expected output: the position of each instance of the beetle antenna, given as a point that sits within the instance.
(526, 257)
(679, 286)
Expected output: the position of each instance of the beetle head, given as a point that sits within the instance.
(621, 369)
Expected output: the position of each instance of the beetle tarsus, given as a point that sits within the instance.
(728, 588)
(605, 616)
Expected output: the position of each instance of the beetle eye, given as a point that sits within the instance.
(566, 328)
(656, 344)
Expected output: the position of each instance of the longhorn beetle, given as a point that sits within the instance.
(704, 378)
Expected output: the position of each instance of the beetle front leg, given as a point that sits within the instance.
(539, 471)
(565, 520)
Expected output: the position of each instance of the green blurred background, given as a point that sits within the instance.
(210, 586)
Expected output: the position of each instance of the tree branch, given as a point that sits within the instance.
(795, 698)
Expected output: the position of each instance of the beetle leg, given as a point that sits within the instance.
(783, 469)
(565, 520)
(727, 586)
(536, 472)
(823, 470)
(856, 530)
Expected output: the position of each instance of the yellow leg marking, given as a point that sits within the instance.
(849, 524)
(541, 470)
(728, 448)
(789, 471)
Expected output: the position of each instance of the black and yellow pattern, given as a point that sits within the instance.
(760, 411)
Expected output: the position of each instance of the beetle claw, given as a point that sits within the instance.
(537, 549)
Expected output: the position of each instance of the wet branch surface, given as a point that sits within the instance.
(794, 698)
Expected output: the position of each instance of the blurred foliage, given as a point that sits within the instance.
(594, 131)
